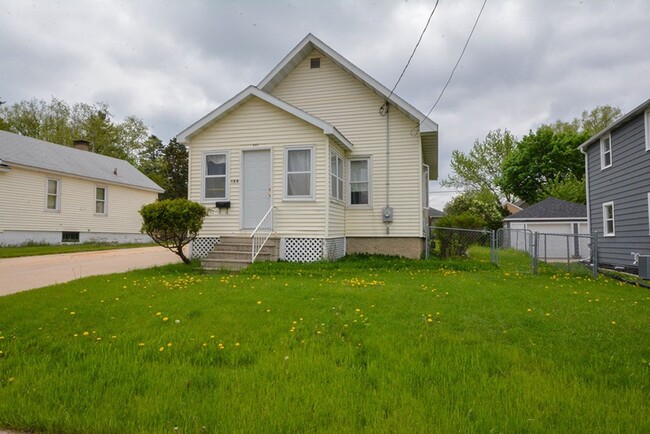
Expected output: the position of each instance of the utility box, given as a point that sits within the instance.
(644, 267)
(387, 214)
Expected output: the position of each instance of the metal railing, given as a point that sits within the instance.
(262, 233)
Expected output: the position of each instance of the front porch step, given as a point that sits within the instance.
(234, 253)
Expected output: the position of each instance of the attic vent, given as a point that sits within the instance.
(315, 63)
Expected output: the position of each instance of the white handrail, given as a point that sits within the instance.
(261, 233)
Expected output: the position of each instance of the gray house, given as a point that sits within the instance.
(618, 188)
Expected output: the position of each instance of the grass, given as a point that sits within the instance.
(359, 345)
(34, 250)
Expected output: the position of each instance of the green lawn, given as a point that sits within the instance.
(360, 345)
(34, 250)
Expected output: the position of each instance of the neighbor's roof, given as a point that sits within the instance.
(310, 43)
(435, 212)
(252, 91)
(551, 209)
(39, 154)
(621, 121)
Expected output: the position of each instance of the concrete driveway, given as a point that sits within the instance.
(20, 274)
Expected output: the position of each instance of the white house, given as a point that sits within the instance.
(51, 194)
(323, 150)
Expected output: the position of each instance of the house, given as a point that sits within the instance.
(51, 194)
(331, 157)
(515, 207)
(434, 216)
(553, 219)
(617, 163)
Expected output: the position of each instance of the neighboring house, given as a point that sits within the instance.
(515, 207)
(618, 188)
(51, 194)
(316, 145)
(551, 216)
(434, 216)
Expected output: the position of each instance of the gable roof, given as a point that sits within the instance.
(596, 137)
(244, 96)
(39, 154)
(310, 43)
(436, 213)
(551, 209)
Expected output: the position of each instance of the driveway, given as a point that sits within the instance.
(20, 274)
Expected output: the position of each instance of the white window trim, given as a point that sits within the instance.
(602, 152)
(605, 233)
(341, 194)
(105, 213)
(648, 213)
(58, 194)
(646, 118)
(204, 175)
(349, 196)
(312, 172)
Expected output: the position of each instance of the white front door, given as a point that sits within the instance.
(256, 187)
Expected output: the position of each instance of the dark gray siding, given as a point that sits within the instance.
(627, 184)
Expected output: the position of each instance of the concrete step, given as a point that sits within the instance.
(234, 253)
(224, 264)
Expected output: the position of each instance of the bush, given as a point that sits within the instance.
(455, 243)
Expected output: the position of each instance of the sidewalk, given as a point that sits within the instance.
(20, 274)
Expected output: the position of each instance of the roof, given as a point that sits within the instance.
(627, 117)
(248, 93)
(551, 209)
(310, 43)
(435, 213)
(39, 154)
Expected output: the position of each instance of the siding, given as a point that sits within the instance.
(336, 209)
(336, 97)
(627, 184)
(22, 204)
(259, 125)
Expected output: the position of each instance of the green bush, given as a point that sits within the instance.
(456, 243)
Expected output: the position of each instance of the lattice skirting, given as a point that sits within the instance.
(311, 249)
(200, 247)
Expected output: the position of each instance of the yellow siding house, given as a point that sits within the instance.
(320, 156)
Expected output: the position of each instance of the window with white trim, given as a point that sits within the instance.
(53, 193)
(215, 173)
(360, 181)
(647, 130)
(336, 176)
(100, 200)
(299, 173)
(608, 219)
(606, 151)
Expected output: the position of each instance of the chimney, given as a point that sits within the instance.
(82, 145)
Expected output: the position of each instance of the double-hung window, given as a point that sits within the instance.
(608, 219)
(215, 174)
(336, 176)
(53, 201)
(606, 151)
(299, 174)
(360, 181)
(101, 198)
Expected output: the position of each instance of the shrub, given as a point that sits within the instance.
(456, 243)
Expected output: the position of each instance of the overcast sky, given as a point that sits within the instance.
(171, 62)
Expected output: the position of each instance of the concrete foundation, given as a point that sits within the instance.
(19, 238)
(399, 246)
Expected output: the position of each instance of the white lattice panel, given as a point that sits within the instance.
(335, 248)
(202, 246)
(302, 249)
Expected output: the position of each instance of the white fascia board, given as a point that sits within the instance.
(548, 220)
(311, 42)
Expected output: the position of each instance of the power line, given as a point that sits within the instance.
(459, 58)
(414, 49)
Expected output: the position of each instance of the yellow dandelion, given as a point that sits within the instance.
(259, 301)
(158, 313)
(71, 313)
(141, 344)
(548, 314)
(165, 319)
(236, 344)
(75, 335)
(86, 333)
(530, 310)
(161, 349)
(429, 319)
(613, 322)
(205, 344)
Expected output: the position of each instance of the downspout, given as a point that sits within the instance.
(584, 152)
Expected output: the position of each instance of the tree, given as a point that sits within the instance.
(570, 188)
(151, 161)
(173, 223)
(599, 118)
(175, 166)
(482, 204)
(481, 168)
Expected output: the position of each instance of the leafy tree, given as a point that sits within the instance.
(173, 223)
(540, 157)
(570, 188)
(175, 167)
(481, 168)
(482, 203)
(151, 162)
(599, 118)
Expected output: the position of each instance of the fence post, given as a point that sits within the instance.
(493, 247)
(594, 254)
(535, 251)
(568, 255)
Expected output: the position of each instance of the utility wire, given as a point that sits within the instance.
(414, 49)
(459, 58)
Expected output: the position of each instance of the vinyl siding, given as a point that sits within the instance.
(626, 183)
(336, 97)
(336, 209)
(22, 199)
(259, 125)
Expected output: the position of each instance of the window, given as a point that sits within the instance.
(360, 182)
(299, 176)
(608, 219)
(53, 202)
(336, 172)
(647, 130)
(315, 63)
(215, 173)
(606, 151)
(100, 201)
(69, 237)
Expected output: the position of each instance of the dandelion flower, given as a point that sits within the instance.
(141, 344)
(169, 344)
(158, 313)
(236, 344)
(165, 319)
(259, 301)
(161, 349)
(613, 322)
(71, 313)
(86, 333)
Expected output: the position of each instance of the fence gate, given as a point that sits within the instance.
(515, 250)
